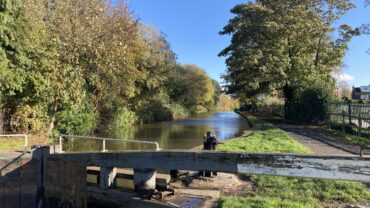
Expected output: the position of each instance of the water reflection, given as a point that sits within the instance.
(179, 134)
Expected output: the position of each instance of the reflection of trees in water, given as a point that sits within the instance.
(88, 145)
(180, 134)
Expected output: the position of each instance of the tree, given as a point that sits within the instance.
(98, 51)
(366, 27)
(344, 89)
(26, 64)
(71, 66)
(284, 45)
(12, 40)
(226, 103)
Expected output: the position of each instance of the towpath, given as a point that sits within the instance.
(319, 142)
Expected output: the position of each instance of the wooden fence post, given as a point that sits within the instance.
(349, 112)
(343, 121)
(359, 126)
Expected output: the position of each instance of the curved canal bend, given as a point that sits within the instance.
(178, 134)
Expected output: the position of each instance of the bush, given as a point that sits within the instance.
(29, 119)
(309, 106)
(76, 121)
(123, 118)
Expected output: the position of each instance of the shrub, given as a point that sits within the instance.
(28, 118)
(77, 121)
(309, 106)
(122, 118)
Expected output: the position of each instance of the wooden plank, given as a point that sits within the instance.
(61, 183)
(2, 190)
(12, 184)
(327, 167)
(50, 178)
(81, 185)
(28, 196)
(29, 184)
(69, 189)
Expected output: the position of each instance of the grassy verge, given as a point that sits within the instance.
(17, 144)
(272, 191)
(11, 144)
(354, 139)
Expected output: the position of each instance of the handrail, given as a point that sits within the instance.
(105, 139)
(18, 135)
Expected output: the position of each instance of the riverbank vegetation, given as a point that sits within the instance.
(227, 103)
(78, 67)
(273, 191)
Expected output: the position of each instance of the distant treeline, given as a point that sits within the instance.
(76, 67)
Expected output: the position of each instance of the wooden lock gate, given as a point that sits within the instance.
(62, 177)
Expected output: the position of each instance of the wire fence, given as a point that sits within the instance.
(350, 117)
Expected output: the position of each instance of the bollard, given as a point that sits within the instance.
(144, 182)
(107, 177)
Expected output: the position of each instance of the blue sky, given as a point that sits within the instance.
(192, 26)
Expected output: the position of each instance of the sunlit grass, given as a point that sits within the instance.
(11, 144)
(284, 192)
(354, 139)
(271, 140)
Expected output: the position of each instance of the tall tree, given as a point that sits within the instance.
(284, 45)
(27, 61)
(366, 27)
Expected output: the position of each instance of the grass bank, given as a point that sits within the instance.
(266, 138)
(17, 143)
(353, 139)
(284, 192)
(10, 144)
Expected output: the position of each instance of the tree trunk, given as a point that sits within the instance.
(288, 95)
(51, 126)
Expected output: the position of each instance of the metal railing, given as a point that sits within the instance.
(104, 149)
(18, 135)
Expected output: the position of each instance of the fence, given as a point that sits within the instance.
(350, 117)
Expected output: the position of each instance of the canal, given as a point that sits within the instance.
(178, 134)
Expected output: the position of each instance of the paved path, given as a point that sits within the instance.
(320, 143)
(305, 137)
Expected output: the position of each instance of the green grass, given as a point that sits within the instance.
(271, 140)
(284, 192)
(258, 202)
(11, 144)
(266, 138)
(354, 139)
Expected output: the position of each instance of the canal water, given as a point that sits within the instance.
(178, 134)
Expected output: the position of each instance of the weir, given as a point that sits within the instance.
(49, 179)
